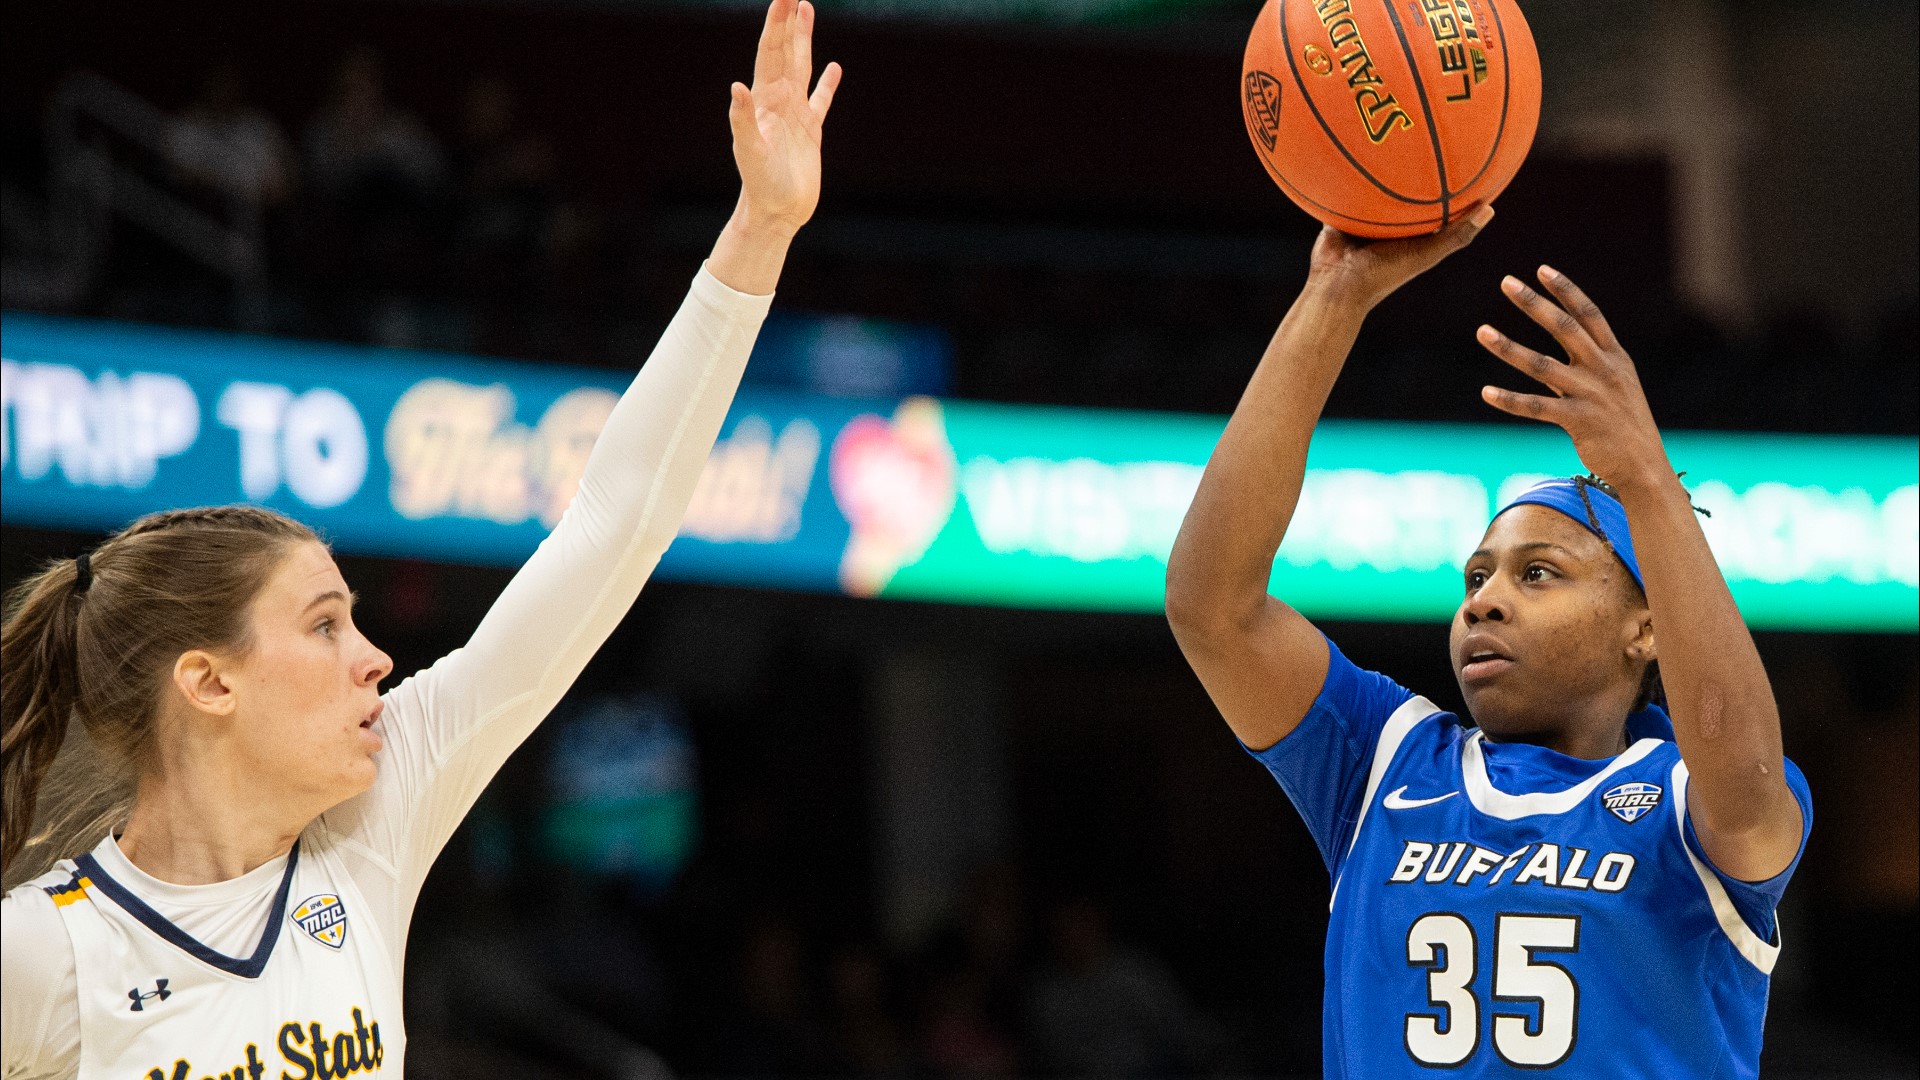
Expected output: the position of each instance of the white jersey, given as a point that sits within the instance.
(306, 951)
(315, 997)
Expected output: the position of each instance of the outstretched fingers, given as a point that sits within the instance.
(740, 117)
(1582, 310)
(776, 42)
(1564, 327)
(1537, 366)
(1529, 406)
(800, 48)
(783, 68)
(822, 98)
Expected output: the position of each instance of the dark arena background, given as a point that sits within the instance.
(985, 823)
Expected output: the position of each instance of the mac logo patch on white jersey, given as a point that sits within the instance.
(324, 918)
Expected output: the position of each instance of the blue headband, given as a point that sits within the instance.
(1590, 506)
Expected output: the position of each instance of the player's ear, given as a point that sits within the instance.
(198, 677)
(1641, 645)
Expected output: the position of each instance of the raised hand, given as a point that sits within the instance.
(1368, 271)
(1596, 396)
(776, 124)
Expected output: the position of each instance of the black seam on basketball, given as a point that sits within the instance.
(1303, 197)
(1286, 45)
(1506, 100)
(1426, 108)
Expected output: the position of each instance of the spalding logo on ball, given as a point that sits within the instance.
(1390, 120)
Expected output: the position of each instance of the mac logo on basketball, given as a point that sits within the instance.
(324, 918)
(1630, 802)
(1263, 107)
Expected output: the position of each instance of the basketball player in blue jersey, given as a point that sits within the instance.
(1584, 883)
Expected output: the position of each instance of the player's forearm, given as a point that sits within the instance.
(750, 253)
(649, 457)
(455, 724)
(632, 495)
(1224, 554)
(1724, 715)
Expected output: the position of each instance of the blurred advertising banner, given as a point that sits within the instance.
(463, 460)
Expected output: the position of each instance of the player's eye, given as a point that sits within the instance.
(325, 628)
(1537, 572)
(1475, 579)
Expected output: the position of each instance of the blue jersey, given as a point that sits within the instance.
(1500, 909)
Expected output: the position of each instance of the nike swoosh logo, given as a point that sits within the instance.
(1394, 801)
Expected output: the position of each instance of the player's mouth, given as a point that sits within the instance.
(373, 717)
(1483, 658)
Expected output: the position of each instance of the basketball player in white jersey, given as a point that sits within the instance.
(248, 917)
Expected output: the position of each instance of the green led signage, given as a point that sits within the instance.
(451, 458)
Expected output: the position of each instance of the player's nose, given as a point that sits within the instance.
(374, 666)
(1485, 605)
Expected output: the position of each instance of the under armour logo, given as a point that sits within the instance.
(140, 1000)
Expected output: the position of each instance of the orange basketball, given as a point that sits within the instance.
(1386, 118)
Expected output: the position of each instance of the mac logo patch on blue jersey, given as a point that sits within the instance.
(1629, 802)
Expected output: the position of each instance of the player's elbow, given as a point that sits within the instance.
(1749, 823)
(1200, 610)
(1741, 802)
(1188, 604)
(1753, 845)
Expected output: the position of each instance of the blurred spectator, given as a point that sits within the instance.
(960, 1037)
(1099, 1009)
(866, 1039)
(529, 254)
(374, 229)
(775, 1032)
(365, 153)
(226, 143)
(971, 974)
(503, 174)
(555, 985)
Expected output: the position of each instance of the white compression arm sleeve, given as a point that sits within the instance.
(450, 728)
